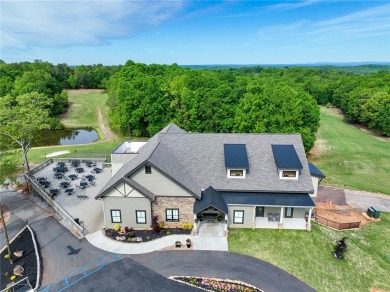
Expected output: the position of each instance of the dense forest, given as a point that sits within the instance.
(144, 98)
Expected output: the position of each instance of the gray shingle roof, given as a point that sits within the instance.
(173, 129)
(211, 197)
(314, 171)
(196, 160)
(268, 199)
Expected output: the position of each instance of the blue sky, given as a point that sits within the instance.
(195, 32)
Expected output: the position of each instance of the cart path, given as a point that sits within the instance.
(109, 134)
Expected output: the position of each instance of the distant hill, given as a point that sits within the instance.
(353, 67)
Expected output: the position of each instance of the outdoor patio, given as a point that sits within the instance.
(80, 203)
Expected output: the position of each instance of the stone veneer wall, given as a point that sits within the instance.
(184, 204)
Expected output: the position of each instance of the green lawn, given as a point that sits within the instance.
(307, 255)
(83, 111)
(351, 157)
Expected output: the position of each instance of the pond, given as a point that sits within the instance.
(66, 137)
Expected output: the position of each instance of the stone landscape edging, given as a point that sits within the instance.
(37, 284)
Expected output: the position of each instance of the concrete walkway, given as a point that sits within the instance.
(198, 242)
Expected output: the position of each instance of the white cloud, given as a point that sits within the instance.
(69, 23)
(367, 23)
(293, 5)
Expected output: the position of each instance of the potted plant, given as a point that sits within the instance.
(201, 218)
(188, 242)
(178, 243)
(219, 218)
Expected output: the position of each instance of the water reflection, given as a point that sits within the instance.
(66, 137)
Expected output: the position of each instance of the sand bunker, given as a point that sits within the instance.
(58, 153)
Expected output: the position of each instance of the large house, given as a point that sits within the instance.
(239, 180)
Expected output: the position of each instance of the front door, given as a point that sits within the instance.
(259, 211)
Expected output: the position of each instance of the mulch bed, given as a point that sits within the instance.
(145, 235)
(29, 261)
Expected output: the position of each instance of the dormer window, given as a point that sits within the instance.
(236, 160)
(287, 161)
(148, 169)
(236, 173)
(292, 174)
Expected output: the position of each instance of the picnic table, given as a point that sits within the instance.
(79, 169)
(41, 179)
(54, 191)
(73, 176)
(60, 163)
(69, 191)
(60, 169)
(90, 163)
(45, 183)
(58, 175)
(75, 163)
(83, 185)
(90, 177)
(96, 170)
(64, 184)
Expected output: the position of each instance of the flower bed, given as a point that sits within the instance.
(220, 285)
(135, 236)
(28, 260)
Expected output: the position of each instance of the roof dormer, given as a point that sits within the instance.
(236, 160)
(287, 161)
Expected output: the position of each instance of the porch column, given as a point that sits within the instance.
(309, 219)
(254, 217)
(195, 221)
(281, 215)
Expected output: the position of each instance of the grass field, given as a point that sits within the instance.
(83, 111)
(351, 157)
(307, 255)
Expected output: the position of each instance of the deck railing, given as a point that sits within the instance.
(338, 225)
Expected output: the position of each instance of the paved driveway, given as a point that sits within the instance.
(356, 199)
(224, 265)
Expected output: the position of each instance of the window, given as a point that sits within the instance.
(288, 213)
(140, 217)
(148, 169)
(172, 215)
(116, 216)
(238, 217)
(289, 173)
(236, 172)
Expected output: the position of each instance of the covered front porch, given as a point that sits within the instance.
(281, 217)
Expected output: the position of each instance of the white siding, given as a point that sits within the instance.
(159, 184)
(248, 216)
(127, 206)
(315, 181)
(118, 160)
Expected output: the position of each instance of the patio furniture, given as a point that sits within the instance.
(73, 176)
(79, 170)
(69, 191)
(54, 192)
(90, 163)
(82, 197)
(277, 217)
(60, 163)
(96, 170)
(89, 177)
(92, 183)
(60, 169)
(41, 179)
(270, 217)
(82, 185)
(58, 175)
(75, 163)
(64, 184)
(45, 184)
